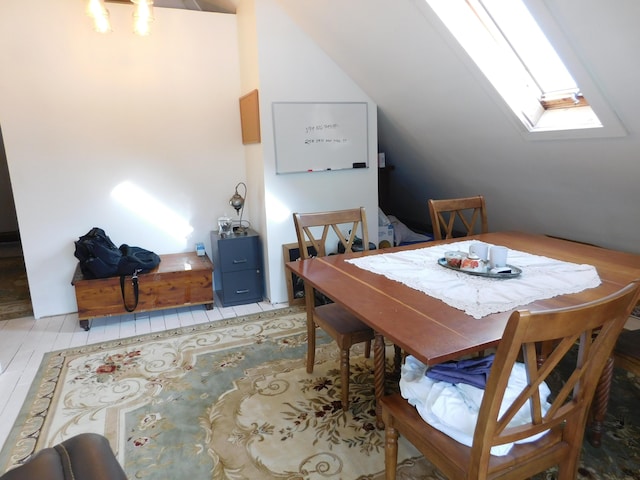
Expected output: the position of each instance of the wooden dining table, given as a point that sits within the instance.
(434, 332)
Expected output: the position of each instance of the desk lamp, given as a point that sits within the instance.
(237, 202)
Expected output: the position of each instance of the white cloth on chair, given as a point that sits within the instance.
(453, 409)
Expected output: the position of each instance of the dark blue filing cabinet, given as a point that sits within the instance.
(237, 268)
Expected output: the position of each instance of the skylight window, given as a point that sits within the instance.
(507, 44)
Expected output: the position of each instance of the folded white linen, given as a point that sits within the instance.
(453, 409)
(478, 296)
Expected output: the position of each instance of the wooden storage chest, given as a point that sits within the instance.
(181, 279)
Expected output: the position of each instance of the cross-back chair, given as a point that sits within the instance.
(592, 328)
(471, 211)
(312, 229)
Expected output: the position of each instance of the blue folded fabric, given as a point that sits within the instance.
(472, 371)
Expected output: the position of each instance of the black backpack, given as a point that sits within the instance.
(100, 258)
(136, 260)
(98, 255)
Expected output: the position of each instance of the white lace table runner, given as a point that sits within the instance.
(541, 278)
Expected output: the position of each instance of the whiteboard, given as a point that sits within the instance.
(312, 137)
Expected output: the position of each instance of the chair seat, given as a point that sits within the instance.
(338, 322)
(407, 419)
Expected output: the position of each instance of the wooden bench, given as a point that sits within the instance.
(181, 279)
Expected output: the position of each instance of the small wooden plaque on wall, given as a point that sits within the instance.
(250, 118)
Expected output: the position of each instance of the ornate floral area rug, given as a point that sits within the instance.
(232, 400)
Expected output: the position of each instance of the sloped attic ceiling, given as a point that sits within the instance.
(220, 6)
(449, 134)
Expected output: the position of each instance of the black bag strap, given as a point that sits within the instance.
(134, 282)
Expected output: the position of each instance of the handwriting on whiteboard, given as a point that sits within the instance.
(318, 128)
(310, 141)
(319, 134)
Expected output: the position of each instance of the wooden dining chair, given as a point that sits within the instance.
(592, 328)
(468, 211)
(342, 326)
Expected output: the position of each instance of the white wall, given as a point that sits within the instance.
(82, 113)
(293, 68)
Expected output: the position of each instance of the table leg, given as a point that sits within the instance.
(378, 375)
(397, 362)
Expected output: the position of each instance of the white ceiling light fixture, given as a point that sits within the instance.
(142, 15)
(100, 15)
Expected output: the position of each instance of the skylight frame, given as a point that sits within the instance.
(553, 78)
(582, 121)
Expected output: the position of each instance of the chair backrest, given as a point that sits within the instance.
(582, 337)
(468, 210)
(346, 224)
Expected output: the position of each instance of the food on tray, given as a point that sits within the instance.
(473, 263)
(454, 258)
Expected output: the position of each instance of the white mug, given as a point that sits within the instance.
(480, 249)
(498, 256)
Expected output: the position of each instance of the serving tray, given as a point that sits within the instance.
(515, 271)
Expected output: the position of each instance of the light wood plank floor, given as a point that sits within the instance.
(24, 341)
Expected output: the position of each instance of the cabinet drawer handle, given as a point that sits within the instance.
(238, 292)
(244, 260)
